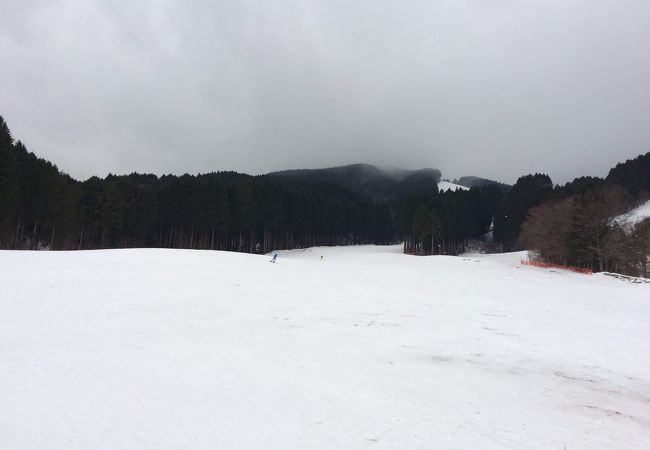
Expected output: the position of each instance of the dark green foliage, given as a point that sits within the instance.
(633, 175)
(8, 175)
(528, 191)
(576, 186)
(229, 211)
(472, 181)
(34, 195)
(40, 206)
(380, 185)
(423, 181)
(443, 222)
(360, 204)
(407, 209)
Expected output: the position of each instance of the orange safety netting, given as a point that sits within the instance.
(528, 262)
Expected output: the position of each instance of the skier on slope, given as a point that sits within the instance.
(275, 256)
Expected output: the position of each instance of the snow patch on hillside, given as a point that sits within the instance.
(633, 217)
(346, 347)
(446, 185)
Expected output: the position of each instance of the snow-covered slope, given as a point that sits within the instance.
(445, 185)
(638, 214)
(367, 348)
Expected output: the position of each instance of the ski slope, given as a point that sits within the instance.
(446, 185)
(630, 219)
(367, 348)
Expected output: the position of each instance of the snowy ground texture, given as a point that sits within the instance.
(368, 348)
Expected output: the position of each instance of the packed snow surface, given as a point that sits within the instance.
(446, 185)
(366, 348)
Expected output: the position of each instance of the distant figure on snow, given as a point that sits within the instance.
(275, 256)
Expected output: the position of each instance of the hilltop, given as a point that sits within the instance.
(382, 185)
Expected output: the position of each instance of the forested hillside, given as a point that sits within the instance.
(41, 207)
(383, 186)
(425, 220)
(569, 225)
(472, 181)
(435, 223)
(575, 224)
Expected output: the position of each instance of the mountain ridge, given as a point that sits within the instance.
(381, 185)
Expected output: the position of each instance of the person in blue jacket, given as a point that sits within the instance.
(275, 256)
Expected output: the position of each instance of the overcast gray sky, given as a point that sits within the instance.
(495, 88)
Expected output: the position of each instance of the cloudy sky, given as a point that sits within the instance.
(495, 88)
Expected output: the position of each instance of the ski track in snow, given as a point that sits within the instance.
(367, 348)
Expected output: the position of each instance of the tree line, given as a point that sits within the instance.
(434, 222)
(41, 207)
(576, 224)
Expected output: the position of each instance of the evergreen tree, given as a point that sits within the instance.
(528, 191)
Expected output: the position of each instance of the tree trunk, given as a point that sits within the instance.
(17, 232)
(34, 240)
(81, 235)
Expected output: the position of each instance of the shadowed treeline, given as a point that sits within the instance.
(40, 207)
(576, 224)
(43, 208)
